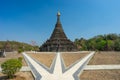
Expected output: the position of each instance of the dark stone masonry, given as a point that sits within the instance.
(58, 40)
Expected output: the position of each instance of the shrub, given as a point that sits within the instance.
(20, 50)
(20, 59)
(10, 67)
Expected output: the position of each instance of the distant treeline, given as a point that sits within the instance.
(16, 46)
(108, 42)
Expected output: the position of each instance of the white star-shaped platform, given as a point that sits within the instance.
(57, 70)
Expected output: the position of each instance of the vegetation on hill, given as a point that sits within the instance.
(109, 42)
(17, 46)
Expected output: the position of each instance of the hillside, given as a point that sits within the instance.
(16, 46)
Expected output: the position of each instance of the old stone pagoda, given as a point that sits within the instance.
(58, 40)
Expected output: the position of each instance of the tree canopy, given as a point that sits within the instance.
(109, 42)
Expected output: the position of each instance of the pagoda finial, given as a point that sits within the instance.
(58, 17)
(58, 13)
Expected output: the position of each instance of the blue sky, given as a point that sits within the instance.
(27, 20)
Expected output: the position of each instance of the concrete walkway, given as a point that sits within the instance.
(59, 72)
(87, 67)
(24, 68)
(98, 67)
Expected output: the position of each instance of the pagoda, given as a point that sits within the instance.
(58, 41)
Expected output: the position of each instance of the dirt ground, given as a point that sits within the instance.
(69, 59)
(19, 76)
(47, 59)
(100, 75)
(12, 55)
(105, 58)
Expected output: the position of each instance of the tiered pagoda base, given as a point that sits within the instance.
(58, 45)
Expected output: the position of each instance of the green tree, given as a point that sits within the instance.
(91, 44)
(112, 36)
(101, 45)
(83, 44)
(11, 66)
(110, 45)
(117, 45)
(20, 50)
(77, 43)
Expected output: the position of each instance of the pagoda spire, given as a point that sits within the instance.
(58, 17)
(58, 30)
